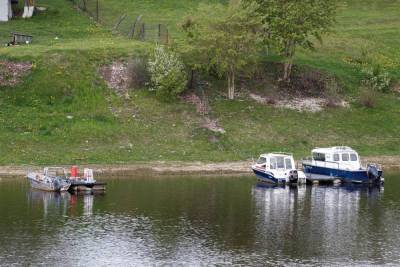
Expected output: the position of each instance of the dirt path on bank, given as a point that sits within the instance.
(177, 168)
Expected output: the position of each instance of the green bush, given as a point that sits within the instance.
(167, 74)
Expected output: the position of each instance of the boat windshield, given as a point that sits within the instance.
(261, 160)
(318, 156)
(288, 164)
(55, 172)
(277, 162)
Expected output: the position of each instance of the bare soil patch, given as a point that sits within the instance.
(202, 106)
(116, 76)
(11, 73)
(203, 109)
(124, 75)
(301, 104)
(396, 88)
(212, 125)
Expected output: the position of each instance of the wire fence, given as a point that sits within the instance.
(131, 27)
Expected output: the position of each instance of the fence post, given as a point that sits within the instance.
(159, 31)
(167, 35)
(143, 33)
(132, 32)
(121, 18)
(97, 10)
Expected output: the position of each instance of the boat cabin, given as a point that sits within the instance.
(276, 161)
(340, 157)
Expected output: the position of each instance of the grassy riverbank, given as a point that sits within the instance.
(62, 112)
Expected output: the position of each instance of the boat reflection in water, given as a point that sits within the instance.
(319, 220)
(63, 203)
(50, 202)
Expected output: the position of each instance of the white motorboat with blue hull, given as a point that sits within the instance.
(277, 168)
(340, 163)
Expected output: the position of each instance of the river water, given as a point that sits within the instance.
(188, 221)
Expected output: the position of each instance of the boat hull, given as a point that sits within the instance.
(330, 174)
(268, 177)
(48, 186)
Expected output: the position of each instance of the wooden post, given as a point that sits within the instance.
(159, 31)
(97, 10)
(132, 32)
(167, 35)
(121, 18)
(143, 33)
(191, 84)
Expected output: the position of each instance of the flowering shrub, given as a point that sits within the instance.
(376, 78)
(167, 74)
(374, 67)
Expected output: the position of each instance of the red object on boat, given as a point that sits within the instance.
(74, 171)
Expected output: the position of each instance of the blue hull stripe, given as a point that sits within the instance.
(346, 175)
(265, 176)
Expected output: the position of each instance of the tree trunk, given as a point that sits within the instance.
(287, 71)
(289, 54)
(231, 84)
(191, 83)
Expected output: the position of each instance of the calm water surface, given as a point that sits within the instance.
(201, 221)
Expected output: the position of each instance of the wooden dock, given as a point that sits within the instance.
(80, 185)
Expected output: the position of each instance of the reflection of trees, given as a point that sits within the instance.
(217, 208)
(199, 219)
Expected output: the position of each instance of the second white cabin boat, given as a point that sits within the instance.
(340, 163)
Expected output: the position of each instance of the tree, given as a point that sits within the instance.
(293, 23)
(168, 75)
(223, 39)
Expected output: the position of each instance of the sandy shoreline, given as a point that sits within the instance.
(178, 168)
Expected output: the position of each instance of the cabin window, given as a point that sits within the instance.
(353, 157)
(261, 160)
(288, 164)
(277, 163)
(319, 156)
(345, 157)
(272, 163)
(280, 162)
(336, 157)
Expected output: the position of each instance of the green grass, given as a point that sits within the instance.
(34, 128)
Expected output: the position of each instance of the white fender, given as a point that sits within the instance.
(25, 14)
(301, 175)
(30, 11)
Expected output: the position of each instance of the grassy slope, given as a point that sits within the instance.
(34, 127)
